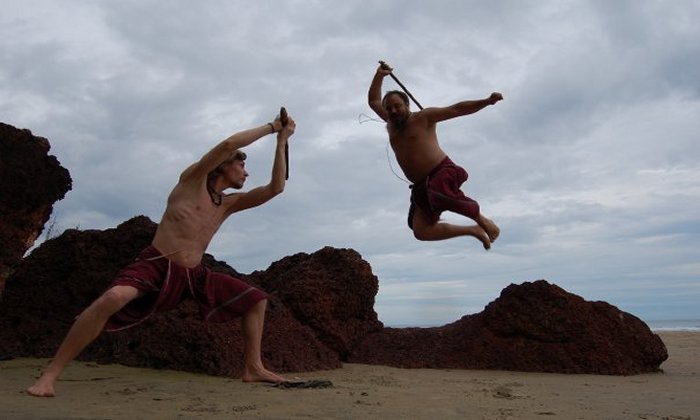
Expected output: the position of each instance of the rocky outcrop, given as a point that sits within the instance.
(68, 272)
(320, 314)
(332, 291)
(535, 327)
(31, 181)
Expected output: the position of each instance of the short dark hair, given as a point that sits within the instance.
(401, 94)
(237, 155)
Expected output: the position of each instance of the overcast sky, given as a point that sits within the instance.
(590, 165)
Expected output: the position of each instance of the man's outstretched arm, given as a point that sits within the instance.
(460, 109)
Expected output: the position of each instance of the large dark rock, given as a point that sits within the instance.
(536, 327)
(332, 291)
(320, 313)
(66, 273)
(31, 181)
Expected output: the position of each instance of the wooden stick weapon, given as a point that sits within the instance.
(386, 66)
(284, 119)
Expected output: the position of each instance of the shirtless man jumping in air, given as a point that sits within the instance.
(436, 179)
(170, 268)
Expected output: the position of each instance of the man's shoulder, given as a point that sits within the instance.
(192, 173)
(187, 185)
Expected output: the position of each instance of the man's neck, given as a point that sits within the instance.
(215, 192)
(400, 125)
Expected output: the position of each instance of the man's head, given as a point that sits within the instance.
(396, 105)
(233, 169)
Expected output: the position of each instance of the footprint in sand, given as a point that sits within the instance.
(505, 392)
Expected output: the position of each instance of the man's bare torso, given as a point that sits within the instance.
(416, 147)
(188, 224)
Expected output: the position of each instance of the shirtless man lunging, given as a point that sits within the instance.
(170, 268)
(436, 179)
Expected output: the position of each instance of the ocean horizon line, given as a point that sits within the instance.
(674, 325)
(654, 325)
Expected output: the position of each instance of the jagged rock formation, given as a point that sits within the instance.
(320, 314)
(332, 291)
(536, 327)
(31, 181)
(70, 271)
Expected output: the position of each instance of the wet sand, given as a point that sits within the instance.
(92, 391)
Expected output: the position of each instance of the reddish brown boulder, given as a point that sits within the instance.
(321, 312)
(536, 327)
(31, 181)
(332, 291)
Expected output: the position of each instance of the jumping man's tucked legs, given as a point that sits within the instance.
(85, 329)
(425, 230)
(252, 325)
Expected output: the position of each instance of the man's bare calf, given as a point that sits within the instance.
(252, 329)
(84, 330)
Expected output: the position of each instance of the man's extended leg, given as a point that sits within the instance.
(425, 230)
(85, 329)
(252, 325)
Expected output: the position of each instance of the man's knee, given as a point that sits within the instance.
(420, 234)
(115, 298)
(422, 226)
(260, 305)
(417, 227)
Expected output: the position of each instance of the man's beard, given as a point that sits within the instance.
(399, 121)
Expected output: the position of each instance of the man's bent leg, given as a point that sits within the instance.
(252, 325)
(425, 230)
(84, 330)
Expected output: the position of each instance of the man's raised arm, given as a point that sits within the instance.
(279, 164)
(225, 148)
(374, 96)
(265, 193)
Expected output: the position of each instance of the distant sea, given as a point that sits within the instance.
(675, 325)
(657, 325)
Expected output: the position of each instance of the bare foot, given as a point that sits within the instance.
(262, 375)
(480, 234)
(41, 389)
(490, 227)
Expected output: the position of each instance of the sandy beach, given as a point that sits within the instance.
(92, 391)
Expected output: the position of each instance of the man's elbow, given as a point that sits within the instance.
(376, 106)
(277, 189)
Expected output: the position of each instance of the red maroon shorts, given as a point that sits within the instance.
(219, 296)
(440, 191)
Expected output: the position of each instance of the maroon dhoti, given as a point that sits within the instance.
(440, 192)
(219, 296)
